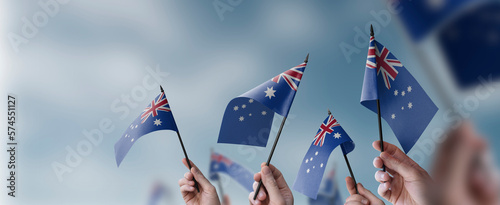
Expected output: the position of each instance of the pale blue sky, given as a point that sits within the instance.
(91, 53)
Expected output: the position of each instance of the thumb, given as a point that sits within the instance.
(199, 177)
(401, 164)
(367, 194)
(351, 187)
(196, 173)
(270, 183)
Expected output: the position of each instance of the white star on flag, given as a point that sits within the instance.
(396, 93)
(157, 122)
(393, 116)
(270, 92)
(409, 89)
(241, 118)
(410, 105)
(263, 112)
(336, 135)
(403, 93)
(250, 101)
(236, 108)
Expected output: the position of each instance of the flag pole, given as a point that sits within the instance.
(220, 189)
(219, 182)
(352, 174)
(379, 115)
(184, 150)
(274, 145)
(348, 164)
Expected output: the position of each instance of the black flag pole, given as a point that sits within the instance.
(221, 191)
(184, 150)
(352, 174)
(274, 145)
(348, 164)
(379, 115)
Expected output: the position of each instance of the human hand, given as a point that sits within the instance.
(365, 197)
(464, 171)
(407, 182)
(226, 200)
(274, 189)
(206, 195)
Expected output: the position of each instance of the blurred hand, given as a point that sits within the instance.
(207, 194)
(364, 197)
(464, 170)
(274, 189)
(409, 182)
(226, 200)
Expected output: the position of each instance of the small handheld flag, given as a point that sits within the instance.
(248, 118)
(274, 95)
(221, 164)
(328, 137)
(391, 91)
(157, 116)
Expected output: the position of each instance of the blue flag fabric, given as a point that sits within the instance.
(221, 164)
(248, 118)
(422, 17)
(329, 194)
(328, 137)
(158, 192)
(157, 116)
(404, 105)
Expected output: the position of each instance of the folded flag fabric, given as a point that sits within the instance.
(328, 137)
(404, 105)
(248, 118)
(156, 116)
(222, 164)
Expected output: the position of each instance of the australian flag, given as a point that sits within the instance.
(404, 105)
(221, 164)
(248, 118)
(157, 116)
(328, 137)
(329, 194)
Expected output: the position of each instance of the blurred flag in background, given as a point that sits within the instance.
(222, 164)
(329, 194)
(467, 33)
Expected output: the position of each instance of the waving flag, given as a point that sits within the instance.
(248, 118)
(328, 137)
(222, 164)
(329, 194)
(156, 116)
(404, 105)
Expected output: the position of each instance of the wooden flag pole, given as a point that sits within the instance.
(184, 150)
(379, 115)
(274, 145)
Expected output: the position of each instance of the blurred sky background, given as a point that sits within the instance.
(91, 53)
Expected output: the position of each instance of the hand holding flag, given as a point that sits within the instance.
(157, 116)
